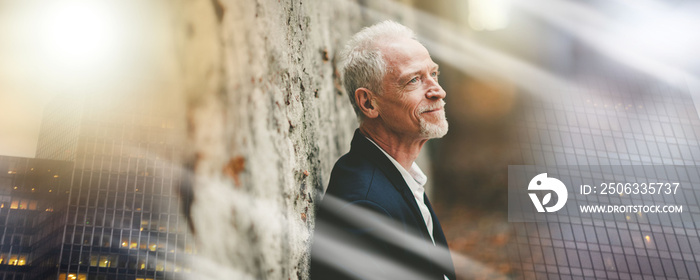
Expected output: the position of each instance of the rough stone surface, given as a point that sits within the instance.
(267, 119)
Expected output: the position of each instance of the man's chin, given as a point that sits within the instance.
(431, 130)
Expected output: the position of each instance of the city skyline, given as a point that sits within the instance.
(120, 215)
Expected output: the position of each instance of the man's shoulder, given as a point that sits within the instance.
(358, 178)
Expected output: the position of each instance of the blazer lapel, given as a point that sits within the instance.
(363, 146)
(444, 256)
(438, 235)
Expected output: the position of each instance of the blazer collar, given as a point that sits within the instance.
(365, 148)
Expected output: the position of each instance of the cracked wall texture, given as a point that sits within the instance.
(268, 117)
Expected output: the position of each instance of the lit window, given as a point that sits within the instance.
(104, 261)
(13, 260)
(72, 276)
(32, 205)
(15, 204)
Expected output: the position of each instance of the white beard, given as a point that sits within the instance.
(431, 130)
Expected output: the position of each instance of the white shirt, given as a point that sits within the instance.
(415, 179)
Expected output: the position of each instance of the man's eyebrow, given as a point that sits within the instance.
(411, 74)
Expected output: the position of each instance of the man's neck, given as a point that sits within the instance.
(403, 150)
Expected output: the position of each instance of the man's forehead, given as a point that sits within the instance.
(403, 59)
(400, 47)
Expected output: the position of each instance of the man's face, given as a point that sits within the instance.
(411, 104)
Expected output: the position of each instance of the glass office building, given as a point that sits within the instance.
(113, 210)
(33, 196)
(622, 122)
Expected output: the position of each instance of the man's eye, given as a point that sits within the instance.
(435, 74)
(413, 81)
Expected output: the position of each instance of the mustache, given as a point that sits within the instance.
(437, 105)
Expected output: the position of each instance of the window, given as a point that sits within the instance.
(23, 204)
(17, 260)
(160, 266)
(16, 239)
(104, 261)
(107, 240)
(22, 260)
(72, 276)
(15, 220)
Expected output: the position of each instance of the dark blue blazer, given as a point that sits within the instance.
(369, 226)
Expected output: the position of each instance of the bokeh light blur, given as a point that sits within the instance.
(549, 82)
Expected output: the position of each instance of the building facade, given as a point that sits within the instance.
(114, 211)
(33, 195)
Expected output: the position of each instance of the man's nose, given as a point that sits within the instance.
(435, 91)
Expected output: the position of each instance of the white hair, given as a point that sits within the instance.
(362, 63)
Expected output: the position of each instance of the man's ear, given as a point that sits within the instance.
(365, 100)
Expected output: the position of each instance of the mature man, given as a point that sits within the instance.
(375, 221)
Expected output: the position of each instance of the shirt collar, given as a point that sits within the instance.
(414, 174)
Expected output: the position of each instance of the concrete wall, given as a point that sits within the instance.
(267, 117)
